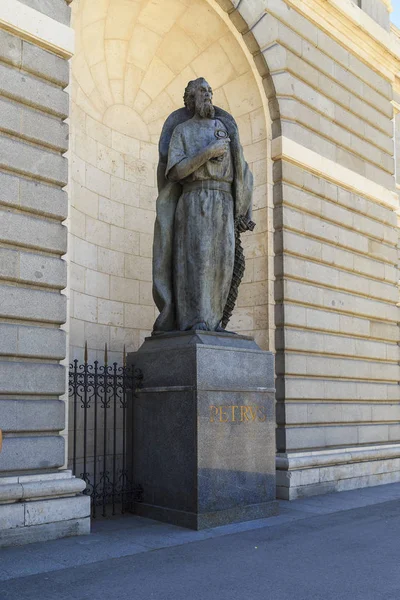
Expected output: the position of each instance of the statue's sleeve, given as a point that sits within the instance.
(176, 151)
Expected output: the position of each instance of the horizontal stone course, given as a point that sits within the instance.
(32, 58)
(10, 48)
(307, 86)
(332, 389)
(32, 305)
(31, 378)
(317, 296)
(337, 485)
(44, 130)
(11, 516)
(304, 39)
(36, 269)
(321, 436)
(32, 415)
(332, 320)
(50, 511)
(306, 482)
(45, 64)
(349, 135)
(314, 341)
(334, 276)
(32, 232)
(302, 245)
(321, 188)
(33, 196)
(378, 241)
(40, 342)
(55, 9)
(303, 477)
(49, 531)
(339, 412)
(344, 156)
(27, 89)
(43, 270)
(32, 160)
(317, 365)
(30, 453)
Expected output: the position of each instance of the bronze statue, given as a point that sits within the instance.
(204, 203)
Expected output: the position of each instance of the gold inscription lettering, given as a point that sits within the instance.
(223, 413)
(244, 413)
(214, 410)
(234, 413)
(253, 412)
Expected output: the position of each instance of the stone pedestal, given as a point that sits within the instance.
(204, 429)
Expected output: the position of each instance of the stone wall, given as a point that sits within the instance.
(33, 239)
(336, 242)
(377, 10)
(33, 205)
(329, 97)
(326, 74)
(56, 9)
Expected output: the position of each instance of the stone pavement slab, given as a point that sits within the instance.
(347, 555)
(337, 537)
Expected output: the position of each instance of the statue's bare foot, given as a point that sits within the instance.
(199, 327)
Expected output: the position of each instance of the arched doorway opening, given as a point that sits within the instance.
(132, 62)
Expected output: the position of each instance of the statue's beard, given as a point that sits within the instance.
(205, 109)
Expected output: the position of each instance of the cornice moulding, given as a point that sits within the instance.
(33, 26)
(284, 148)
(356, 30)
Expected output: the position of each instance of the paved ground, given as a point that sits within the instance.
(337, 547)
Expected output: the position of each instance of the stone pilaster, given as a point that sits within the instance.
(38, 499)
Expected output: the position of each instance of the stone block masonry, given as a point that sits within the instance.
(336, 237)
(38, 499)
(326, 74)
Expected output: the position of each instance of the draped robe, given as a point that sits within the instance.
(190, 228)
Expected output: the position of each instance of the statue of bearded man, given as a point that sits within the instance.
(204, 203)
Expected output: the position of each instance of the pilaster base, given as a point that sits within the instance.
(301, 474)
(42, 507)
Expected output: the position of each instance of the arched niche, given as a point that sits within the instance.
(132, 62)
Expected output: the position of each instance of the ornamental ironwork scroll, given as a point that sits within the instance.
(100, 429)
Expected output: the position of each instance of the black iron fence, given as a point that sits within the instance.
(100, 432)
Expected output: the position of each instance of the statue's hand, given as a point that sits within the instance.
(218, 148)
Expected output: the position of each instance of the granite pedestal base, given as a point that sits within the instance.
(204, 429)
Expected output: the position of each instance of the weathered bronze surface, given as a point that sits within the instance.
(204, 203)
